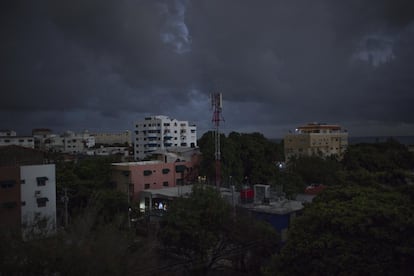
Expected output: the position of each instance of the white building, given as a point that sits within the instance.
(68, 142)
(161, 132)
(7, 132)
(38, 198)
(9, 137)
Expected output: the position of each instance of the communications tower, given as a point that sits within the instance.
(217, 106)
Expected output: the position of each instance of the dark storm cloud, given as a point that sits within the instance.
(103, 64)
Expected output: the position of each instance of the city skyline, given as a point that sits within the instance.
(103, 65)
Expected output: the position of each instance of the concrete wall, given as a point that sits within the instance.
(33, 193)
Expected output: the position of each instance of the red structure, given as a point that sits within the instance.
(247, 195)
(314, 189)
(217, 105)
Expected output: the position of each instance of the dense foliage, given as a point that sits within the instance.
(89, 180)
(351, 230)
(206, 234)
(86, 247)
(251, 158)
(245, 157)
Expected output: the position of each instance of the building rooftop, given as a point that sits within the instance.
(279, 207)
(170, 192)
(151, 162)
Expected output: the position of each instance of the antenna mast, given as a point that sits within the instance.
(217, 105)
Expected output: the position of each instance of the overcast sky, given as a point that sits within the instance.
(101, 65)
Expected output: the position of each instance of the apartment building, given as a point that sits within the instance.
(316, 139)
(162, 132)
(113, 138)
(68, 142)
(27, 191)
(9, 137)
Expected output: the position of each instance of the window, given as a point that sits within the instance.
(165, 183)
(7, 184)
(180, 168)
(165, 171)
(147, 172)
(23, 203)
(41, 181)
(41, 201)
(22, 181)
(146, 186)
(7, 141)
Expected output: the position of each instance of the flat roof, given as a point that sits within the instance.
(151, 162)
(277, 207)
(170, 192)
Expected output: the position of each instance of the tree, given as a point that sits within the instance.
(201, 231)
(350, 230)
(243, 155)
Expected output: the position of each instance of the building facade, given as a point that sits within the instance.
(38, 198)
(134, 177)
(69, 142)
(161, 132)
(27, 191)
(115, 138)
(316, 139)
(9, 137)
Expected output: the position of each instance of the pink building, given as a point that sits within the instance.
(134, 177)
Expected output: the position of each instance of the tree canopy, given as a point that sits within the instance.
(350, 230)
(203, 230)
(243, 155)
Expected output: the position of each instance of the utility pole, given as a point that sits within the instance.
(65, 199)
(217, 105)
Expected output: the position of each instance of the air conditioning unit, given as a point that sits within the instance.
(38, 193)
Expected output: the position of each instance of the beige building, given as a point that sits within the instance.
(316, 139)
(113, 138)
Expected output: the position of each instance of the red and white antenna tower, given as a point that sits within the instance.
(217, 105)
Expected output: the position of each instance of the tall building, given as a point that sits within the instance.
(161, 132)
(316, 139)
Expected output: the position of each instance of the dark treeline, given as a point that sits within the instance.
(252, 158)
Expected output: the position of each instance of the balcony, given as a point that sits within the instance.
(152, 145)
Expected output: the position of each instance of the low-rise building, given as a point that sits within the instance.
(68, 142)
(169, 170)
(113, 138)
(27, 191)
(316, 139)
(9, 137)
